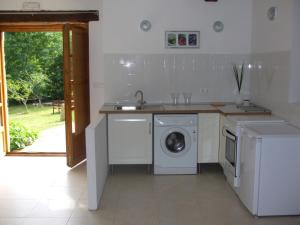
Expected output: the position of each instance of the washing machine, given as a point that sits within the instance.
(175, 144)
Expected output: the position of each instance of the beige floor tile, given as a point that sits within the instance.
(44, 191)
(143, 215)
(44, 221)
(276, 220)
(68, 193)
(90, 221)
(34, 171)
(84, 194)
(53, 208)
(224, 210)
(29, 192)
(75, 177)
(15, 208)
(10, 221)
(178, 213)
(109, 206)
(81, 209)
(81, 213)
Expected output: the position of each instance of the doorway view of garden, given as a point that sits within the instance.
(35, 91)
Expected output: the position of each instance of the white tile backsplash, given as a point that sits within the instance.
(208, 77)
(270, 84)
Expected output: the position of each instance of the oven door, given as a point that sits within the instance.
(231, 169)
(230, 149)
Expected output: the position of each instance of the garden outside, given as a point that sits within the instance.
(39, 120)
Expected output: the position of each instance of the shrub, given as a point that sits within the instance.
(20, 136)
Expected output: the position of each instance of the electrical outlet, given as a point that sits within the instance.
(31, 6)
(203, 90)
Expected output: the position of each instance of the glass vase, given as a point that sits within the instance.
(238, 98)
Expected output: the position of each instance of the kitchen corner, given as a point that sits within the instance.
(174, 139)
(207, 92)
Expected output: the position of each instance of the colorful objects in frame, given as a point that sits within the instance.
(182, 39)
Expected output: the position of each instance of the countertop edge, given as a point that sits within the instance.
(183, 112)
(157, 112)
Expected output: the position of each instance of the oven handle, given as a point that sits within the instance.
(228, 134)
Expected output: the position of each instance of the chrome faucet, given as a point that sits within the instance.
(141, 101)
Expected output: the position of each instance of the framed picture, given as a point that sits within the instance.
(182, 39)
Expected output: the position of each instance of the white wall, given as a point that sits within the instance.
(96, 69)
(294, 90)
(121, 32)
(271, 36)
(272, 56)
(206, 72)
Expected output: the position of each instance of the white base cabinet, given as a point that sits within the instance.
(208, 137)
(130, 138)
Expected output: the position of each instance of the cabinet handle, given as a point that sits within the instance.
(130, 120)
(224, 131)
(150, 128)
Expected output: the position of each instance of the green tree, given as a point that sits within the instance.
(19, 91)
(39, 86)
(55, 81)
(31, 59)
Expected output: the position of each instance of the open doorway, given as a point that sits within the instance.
(76, 86)
(35, 91)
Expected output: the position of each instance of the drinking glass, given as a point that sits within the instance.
(175, 98)
(187, 97)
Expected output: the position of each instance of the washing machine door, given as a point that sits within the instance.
(175, 142)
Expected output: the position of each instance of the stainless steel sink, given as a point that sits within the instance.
(127, 107)
(252, 108)
(138, 107)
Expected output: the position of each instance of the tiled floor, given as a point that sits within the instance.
(43, 191)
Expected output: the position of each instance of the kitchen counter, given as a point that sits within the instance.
(229, 109)
(234, 110)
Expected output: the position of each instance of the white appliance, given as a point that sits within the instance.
(175, 144)
(231, 130)
(270, 169)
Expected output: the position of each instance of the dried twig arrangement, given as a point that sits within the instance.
(239, 76)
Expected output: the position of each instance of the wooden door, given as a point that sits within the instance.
(77, 107)
(3, 105)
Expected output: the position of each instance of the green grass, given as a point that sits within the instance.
(37, 118)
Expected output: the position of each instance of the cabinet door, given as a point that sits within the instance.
(222, 142)
(130, 138)
(208, 140)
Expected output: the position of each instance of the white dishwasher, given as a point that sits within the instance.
(270, 169)
(130, 138)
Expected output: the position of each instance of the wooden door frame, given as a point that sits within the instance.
(3, 93)
(27, 27)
